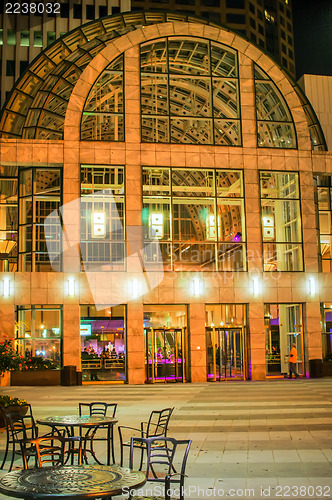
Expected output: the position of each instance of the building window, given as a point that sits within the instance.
(235, 4)
(284, 62)
(197, 216)
(253, 37)
(252, 8)
(24, 38)
(11, 37)
(90, 11)
(1, 36)
(189, 92)
(37, 38)
(102, 10)
(275, 128)
(64, 10)
(260, 14)
(50, 37)
(252, 23)
(281, 221)
(290, 40)
(324, 198)
(40, 240)
(235, 18)
(102, 218)
(8, 218)
(77, 13)
(23, 66)
(10, 67)
(103, 115)
(326, 322)
(210, 3)
(39, 333)
(283, 48)
(260, 29)
(283, 34)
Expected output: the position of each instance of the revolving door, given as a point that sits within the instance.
(165, 354)
(226, 353)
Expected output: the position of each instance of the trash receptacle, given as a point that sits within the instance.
(78, 378)
(315, 368)
(69, 375)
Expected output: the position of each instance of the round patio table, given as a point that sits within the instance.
(91, 423)
(71, 482)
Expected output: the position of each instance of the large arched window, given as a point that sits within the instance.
(189, 92)
(275, 127)
(103, 115)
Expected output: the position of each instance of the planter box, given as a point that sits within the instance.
(36, 377)
(5, 379)
(327, 368)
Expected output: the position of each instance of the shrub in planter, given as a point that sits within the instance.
(13, 406)
(9, 359)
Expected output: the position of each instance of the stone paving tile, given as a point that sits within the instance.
(245, 435)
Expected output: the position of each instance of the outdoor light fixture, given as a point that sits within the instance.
(312, 287)
(71, 287)
(196, 287)
(255, 286)
(136, 288)
(156, 225)
(98, 225)
(5, 287)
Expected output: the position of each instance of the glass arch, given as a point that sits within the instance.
(275, 127)
(103, 115)
(189, 92)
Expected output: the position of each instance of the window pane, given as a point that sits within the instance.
(276, 135)
(279, 185)
(229, 183)
(154, 95)
(154, 56)
(188, 56)
(282, 257)
(230, 220)
(227, 133)
(102, 127)
(155, 129)
(225, 98)
(190, 96)
(191, 131)
(156, 181)
(190, 182)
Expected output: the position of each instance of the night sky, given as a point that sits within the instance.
(312, 22)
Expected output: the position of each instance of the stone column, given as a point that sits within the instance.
(135, 353)
(71, 335)
(197, 343)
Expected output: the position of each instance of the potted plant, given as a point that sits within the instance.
(9, 359)
(13, 406)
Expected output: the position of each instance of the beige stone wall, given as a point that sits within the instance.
(49, 288)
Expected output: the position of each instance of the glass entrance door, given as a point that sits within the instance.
(226, 357)
(165, 358)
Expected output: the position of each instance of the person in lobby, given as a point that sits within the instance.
(292, 362)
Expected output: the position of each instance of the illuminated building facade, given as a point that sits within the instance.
(219, 178)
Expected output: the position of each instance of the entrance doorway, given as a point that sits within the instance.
(226, 342)
(165, 354)
(165, 329)
(225, 353)
(283, 328)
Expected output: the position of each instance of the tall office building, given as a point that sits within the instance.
(268, 23)
(23, 35)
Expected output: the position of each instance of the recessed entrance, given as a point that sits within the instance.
(283, 328)
(165, 343)
(226, 342)
(225, 353)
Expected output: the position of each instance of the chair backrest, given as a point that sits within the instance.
(20, 426)
(163, 453)
(97, 408)
(51, 450)
(158, 422)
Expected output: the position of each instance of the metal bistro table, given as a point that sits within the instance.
(71, 482)
(92, 423)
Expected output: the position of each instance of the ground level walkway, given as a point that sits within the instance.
(256, 440)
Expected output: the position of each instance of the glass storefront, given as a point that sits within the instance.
(326, 309)
(226, 342)
(165, 330)
(103, 346)
(283, 328)
(324, 202)
(39, 332)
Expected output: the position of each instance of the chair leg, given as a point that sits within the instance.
(141, 462)
(121, 455)
(12, 460)
(6, 452)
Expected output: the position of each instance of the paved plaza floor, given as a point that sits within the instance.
(270, 439)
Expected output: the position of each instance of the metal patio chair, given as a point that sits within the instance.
(51, 450)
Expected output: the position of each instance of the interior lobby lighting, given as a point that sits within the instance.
(98, 225)
(156, 225)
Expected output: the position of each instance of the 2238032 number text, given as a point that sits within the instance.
(32, 8)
